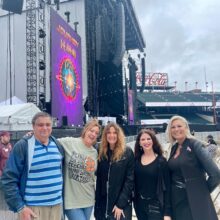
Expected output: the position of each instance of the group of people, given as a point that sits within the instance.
(45, 177)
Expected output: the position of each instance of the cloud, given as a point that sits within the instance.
(182, 39)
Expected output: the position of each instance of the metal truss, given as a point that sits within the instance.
(36, 52)
(42, 54)
(31, 51)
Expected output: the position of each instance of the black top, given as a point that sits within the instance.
(104, 170)
(146, 178)
(153, 180)
(174, 165)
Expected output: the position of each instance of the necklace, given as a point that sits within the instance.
(147, 159)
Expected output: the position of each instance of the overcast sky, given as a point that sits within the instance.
(183, 39)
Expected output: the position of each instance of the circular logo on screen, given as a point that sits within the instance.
(68, 79)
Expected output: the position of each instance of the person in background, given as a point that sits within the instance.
(5, 149)
(152, 179)
(193, 133)
(80, 167)
(210, 139)
(193, 174)
(32, 180)
(115, 176)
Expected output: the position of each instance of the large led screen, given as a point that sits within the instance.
(130, 107)
(66, 73)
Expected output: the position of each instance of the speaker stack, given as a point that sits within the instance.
(13, 6)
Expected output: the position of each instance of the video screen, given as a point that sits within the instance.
(130, 108)
(66, 72)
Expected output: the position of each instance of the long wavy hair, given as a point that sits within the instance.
(157, 148)
(168, 130)
(119, 146)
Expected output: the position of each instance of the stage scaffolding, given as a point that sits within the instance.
(35, 52)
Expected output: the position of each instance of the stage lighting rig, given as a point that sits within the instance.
(41, 4)
(76, 23)
(67, 13)
(42, 33)
(57, 2)
(42, 65)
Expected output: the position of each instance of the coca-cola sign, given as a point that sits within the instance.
(153, 79)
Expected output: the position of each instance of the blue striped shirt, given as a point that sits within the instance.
(44, 183)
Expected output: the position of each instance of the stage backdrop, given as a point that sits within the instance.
(66, 75)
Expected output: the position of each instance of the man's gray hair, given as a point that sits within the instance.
(40, 114)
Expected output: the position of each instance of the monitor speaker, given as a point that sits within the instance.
(64, 120)
(13, 6)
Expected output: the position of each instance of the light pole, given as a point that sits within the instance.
(186, 86)
(206, 86)
(196, 84)
(175, 82)
(213, 104)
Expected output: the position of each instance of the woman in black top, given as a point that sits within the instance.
(193, 174)
(152, 185)
(115, 176)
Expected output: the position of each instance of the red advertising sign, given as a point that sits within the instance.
(153, 79)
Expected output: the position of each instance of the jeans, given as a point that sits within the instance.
(79, 214)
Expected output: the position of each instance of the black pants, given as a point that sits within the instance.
(148, 209)
(180, 204)
(101, 215)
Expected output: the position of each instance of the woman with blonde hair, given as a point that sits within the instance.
(193, 174)
(115, 176)
(80, 167)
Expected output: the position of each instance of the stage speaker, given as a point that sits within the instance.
(64, 120)
(13, 6)
(119, 34)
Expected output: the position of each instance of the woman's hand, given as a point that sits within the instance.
(166, 218)
(118, 212)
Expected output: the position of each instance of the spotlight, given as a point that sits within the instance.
(41, 4)
(42, 33)
(57, 2)
(67, 13)
(42, 97)
(42, 102)
(76, 23)
(42, 65)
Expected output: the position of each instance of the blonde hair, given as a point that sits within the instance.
(119, 146)
(168, 130)
(89, 125)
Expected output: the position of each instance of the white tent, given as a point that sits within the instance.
(14, 100)
(17, 117)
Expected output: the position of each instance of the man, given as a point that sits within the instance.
(210, 139)
(32, 180)
(5, 149)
